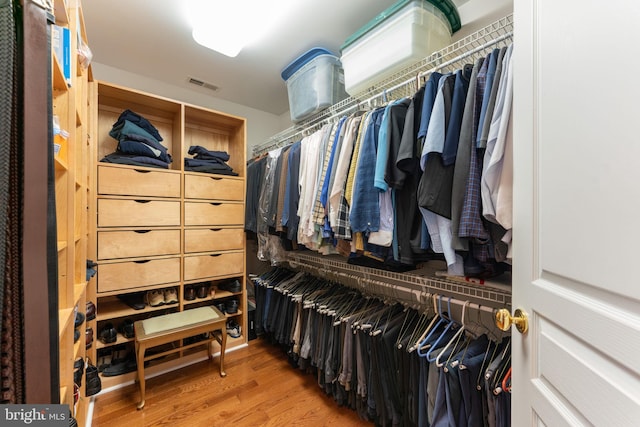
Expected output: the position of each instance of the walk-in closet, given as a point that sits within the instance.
(296, 213)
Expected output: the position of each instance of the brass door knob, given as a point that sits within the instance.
(520, 319)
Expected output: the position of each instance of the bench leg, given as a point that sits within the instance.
(140, 361)
(223, 347)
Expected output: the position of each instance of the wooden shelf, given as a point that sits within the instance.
(120, 340)
(65, 320)
(60, 165)
(113, 309)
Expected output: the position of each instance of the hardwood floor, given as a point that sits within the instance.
(260, 389)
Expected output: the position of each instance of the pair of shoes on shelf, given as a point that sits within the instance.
(233, 329)
(126, 328)
(197, 338)
(116, 361)
(79, 318)
(189, 293)
(233, 286)
(88, 337)
(93, 383)
(135, 300)
(108, 334)
(202, 291)
(220, 306)
(231, 306)
(158, 297)
(91, 310)
(78, 371)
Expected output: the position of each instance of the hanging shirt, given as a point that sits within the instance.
(463, 156)
(364, 212)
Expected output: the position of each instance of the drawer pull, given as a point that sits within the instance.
(215, 254)
(142, 201)
(215, 178)
(141, 171)
(141, 231)
(215, 229)
(144, 261)
(215, 203)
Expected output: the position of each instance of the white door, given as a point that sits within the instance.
(577, 212)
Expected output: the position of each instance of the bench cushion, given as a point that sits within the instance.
(168, 322)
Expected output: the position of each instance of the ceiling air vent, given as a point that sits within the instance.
(203, 84)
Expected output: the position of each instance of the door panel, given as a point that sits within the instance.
(576, 201)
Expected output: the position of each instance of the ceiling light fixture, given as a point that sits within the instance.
(228, 26)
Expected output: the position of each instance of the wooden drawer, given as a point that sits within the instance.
(213, 239)
(213, 187)
(196, 213)
(132, 274)
(203, 266)
(138, 182)
(137, 243)
(137, 213)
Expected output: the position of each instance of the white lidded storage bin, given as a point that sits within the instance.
(405, 33)
(315, 81)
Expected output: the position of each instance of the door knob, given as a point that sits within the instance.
(520, 318)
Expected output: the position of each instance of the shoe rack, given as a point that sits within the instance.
(167, 240)
(73, 189)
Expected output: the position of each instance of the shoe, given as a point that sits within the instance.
(72, 421)
(202, 291)
(78, 371)
(121, 367)
(76, 335)
(154, 298)
(91, 310)
(79, 320)
(233, 329)
(108, 334)
(231, 306)
(91, 269)
(189, 293)
(220, 306)
(170, 295)
(135, 300)
(88, 337)
(126, 328)
(93, 384)
(234, 286)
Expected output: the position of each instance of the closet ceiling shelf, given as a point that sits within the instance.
(403, 83)
(413, 288)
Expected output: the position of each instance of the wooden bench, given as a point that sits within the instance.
(171, 327)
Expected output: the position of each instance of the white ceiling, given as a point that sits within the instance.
(153, 38)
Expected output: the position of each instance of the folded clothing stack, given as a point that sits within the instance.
(208, 161)
(138, 142)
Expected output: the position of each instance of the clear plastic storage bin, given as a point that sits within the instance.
(314, 81)
(405, 33)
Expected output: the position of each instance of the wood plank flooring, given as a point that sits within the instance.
(261, 389)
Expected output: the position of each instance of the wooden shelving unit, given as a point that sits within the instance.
(73, 188)
(157, 229)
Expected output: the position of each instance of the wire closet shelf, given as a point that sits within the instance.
(403, 83)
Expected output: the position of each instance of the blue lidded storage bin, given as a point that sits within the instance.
(315, 81)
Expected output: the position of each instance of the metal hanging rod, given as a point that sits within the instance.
(475, 44)
(410, 288)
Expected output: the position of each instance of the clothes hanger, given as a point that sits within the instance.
(442, 321)
(455, 338)
(434, 323)
(444, 335)
(506, 381)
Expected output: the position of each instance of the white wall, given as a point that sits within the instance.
(260, 125)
